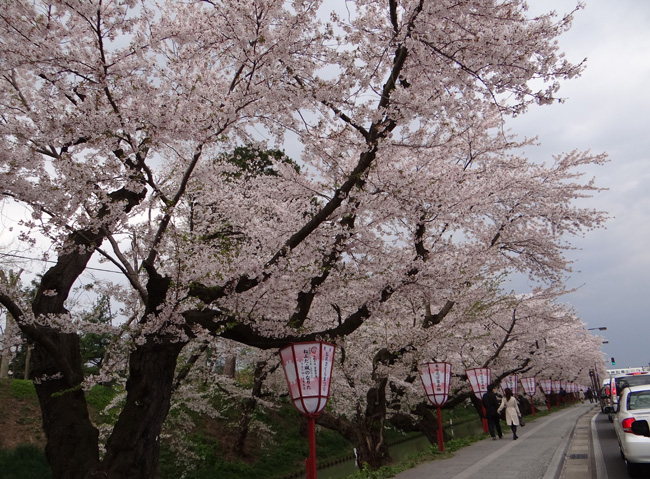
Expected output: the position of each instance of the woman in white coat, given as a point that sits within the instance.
(510, 404)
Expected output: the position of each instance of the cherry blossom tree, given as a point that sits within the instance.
(485, 329)
(118, 119)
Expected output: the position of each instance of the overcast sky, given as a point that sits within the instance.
(608, 110)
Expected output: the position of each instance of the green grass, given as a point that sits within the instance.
(100, 396)
(24, 462)
(23, 389)
(275, 456)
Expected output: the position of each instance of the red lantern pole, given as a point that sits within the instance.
(441, 442)
(308, 370)
(311, 433)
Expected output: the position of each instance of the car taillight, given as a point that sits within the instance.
(627, 424)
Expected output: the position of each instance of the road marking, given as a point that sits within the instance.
(601, 469)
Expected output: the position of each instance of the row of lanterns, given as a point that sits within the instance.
(480, 379)
(308, 371)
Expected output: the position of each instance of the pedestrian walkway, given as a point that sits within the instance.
(557, 446)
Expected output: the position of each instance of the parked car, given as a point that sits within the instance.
(619, 382)
(633, 409)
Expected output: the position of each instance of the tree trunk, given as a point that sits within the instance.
(132, 450)
(4, 363)
(367, 431)
(244, 426)
(371, 447)
(230, 366)
(10, 330)
(28, 360)
(427, 424)
(72, 441)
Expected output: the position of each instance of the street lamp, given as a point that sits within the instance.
(602, 328)
(308, 370)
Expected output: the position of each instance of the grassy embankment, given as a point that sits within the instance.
(271, 455)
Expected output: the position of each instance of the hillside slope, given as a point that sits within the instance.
(20, 417)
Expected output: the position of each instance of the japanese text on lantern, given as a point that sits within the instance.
(326, 368)
(438, 381)
(308, 370)
(479, 379)
(510, 382)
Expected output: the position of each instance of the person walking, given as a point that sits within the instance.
(510, 404)
(491, 405)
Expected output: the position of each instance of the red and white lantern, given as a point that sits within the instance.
(546, 386)
(530, 386)
(510, 382)
(435, 379)
(555, 386)
(308, 370)
(479, 379)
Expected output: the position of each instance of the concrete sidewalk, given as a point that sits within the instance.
(557, 446)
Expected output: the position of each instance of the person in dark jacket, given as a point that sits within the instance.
(491, 405)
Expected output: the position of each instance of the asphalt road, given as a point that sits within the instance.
(603, 432)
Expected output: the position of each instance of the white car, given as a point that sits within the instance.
(621, 381)
(634, 409)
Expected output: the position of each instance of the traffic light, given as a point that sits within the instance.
(613, 362)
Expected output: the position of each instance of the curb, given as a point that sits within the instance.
(578, 461)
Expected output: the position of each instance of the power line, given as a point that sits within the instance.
(54, 262)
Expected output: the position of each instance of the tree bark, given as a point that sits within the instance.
(371, 447)
(230, 366)
(28, 361)
(427, 424)
(10, 328)
(132, 450)
(72, 441)
(244, 426)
